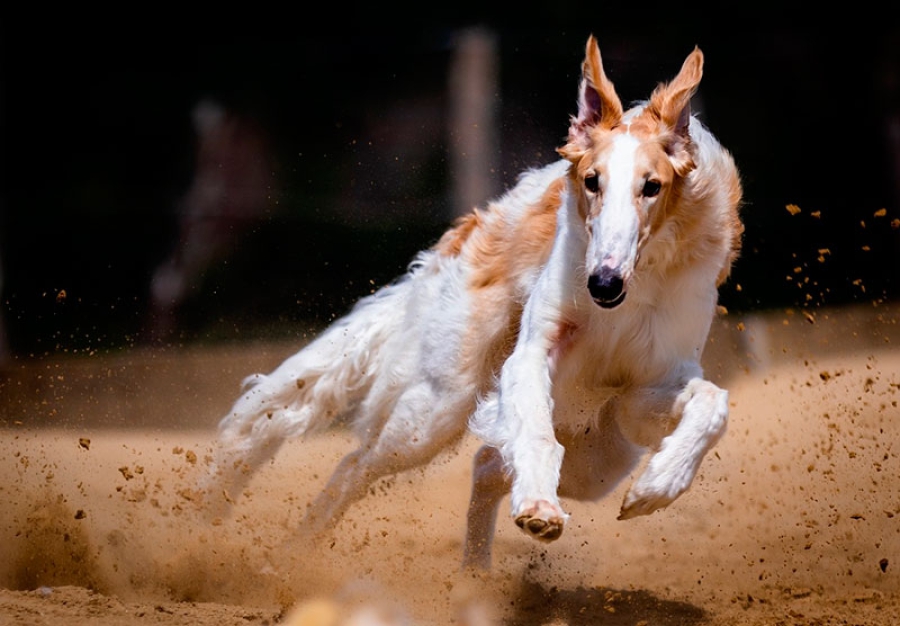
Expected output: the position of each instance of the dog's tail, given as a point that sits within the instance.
(308, 392)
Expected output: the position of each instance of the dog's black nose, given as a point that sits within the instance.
(607, 288)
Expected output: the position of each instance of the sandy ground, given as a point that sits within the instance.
(794, 519)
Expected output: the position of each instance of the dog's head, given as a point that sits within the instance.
(627, 168)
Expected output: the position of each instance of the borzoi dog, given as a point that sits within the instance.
(563, 325)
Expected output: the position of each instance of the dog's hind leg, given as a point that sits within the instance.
(490, 483)
(237, 459)
(299, 397)
(242, 448)
(423, 423)
(327, 379)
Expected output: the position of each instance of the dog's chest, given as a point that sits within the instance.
(632, 347)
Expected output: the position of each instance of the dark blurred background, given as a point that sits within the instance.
(224, 177)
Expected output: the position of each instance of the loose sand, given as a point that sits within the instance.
(793, 519)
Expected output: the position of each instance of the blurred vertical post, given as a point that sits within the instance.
(474, 99)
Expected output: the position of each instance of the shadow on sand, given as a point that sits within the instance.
(536, 605)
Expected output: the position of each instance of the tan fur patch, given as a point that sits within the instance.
(499, 252)
(451, 242)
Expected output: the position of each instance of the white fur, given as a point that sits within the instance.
(581, 395)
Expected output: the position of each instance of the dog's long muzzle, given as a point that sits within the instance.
(606, 288)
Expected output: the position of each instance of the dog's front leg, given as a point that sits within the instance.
(520, 422)
(701, 411)
(524, 429)
(531, 449)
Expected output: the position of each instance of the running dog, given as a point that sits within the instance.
(563, 325)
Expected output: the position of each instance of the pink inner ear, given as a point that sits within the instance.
(672, 101)
(590, 110)
(598, 103)
(684, 119)
(591, 105)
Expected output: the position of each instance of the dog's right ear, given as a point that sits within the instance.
(598, 103)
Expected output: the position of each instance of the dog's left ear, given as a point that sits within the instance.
(672, 102)
(598, 103)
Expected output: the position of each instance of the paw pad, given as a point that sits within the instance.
(540, 529)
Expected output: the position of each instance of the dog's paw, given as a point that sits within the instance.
(542, 520)
(636, 505)
(653, 492)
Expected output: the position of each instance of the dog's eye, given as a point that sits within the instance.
(592, 183)
(651, 188)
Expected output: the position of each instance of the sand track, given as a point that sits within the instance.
(795, 518)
